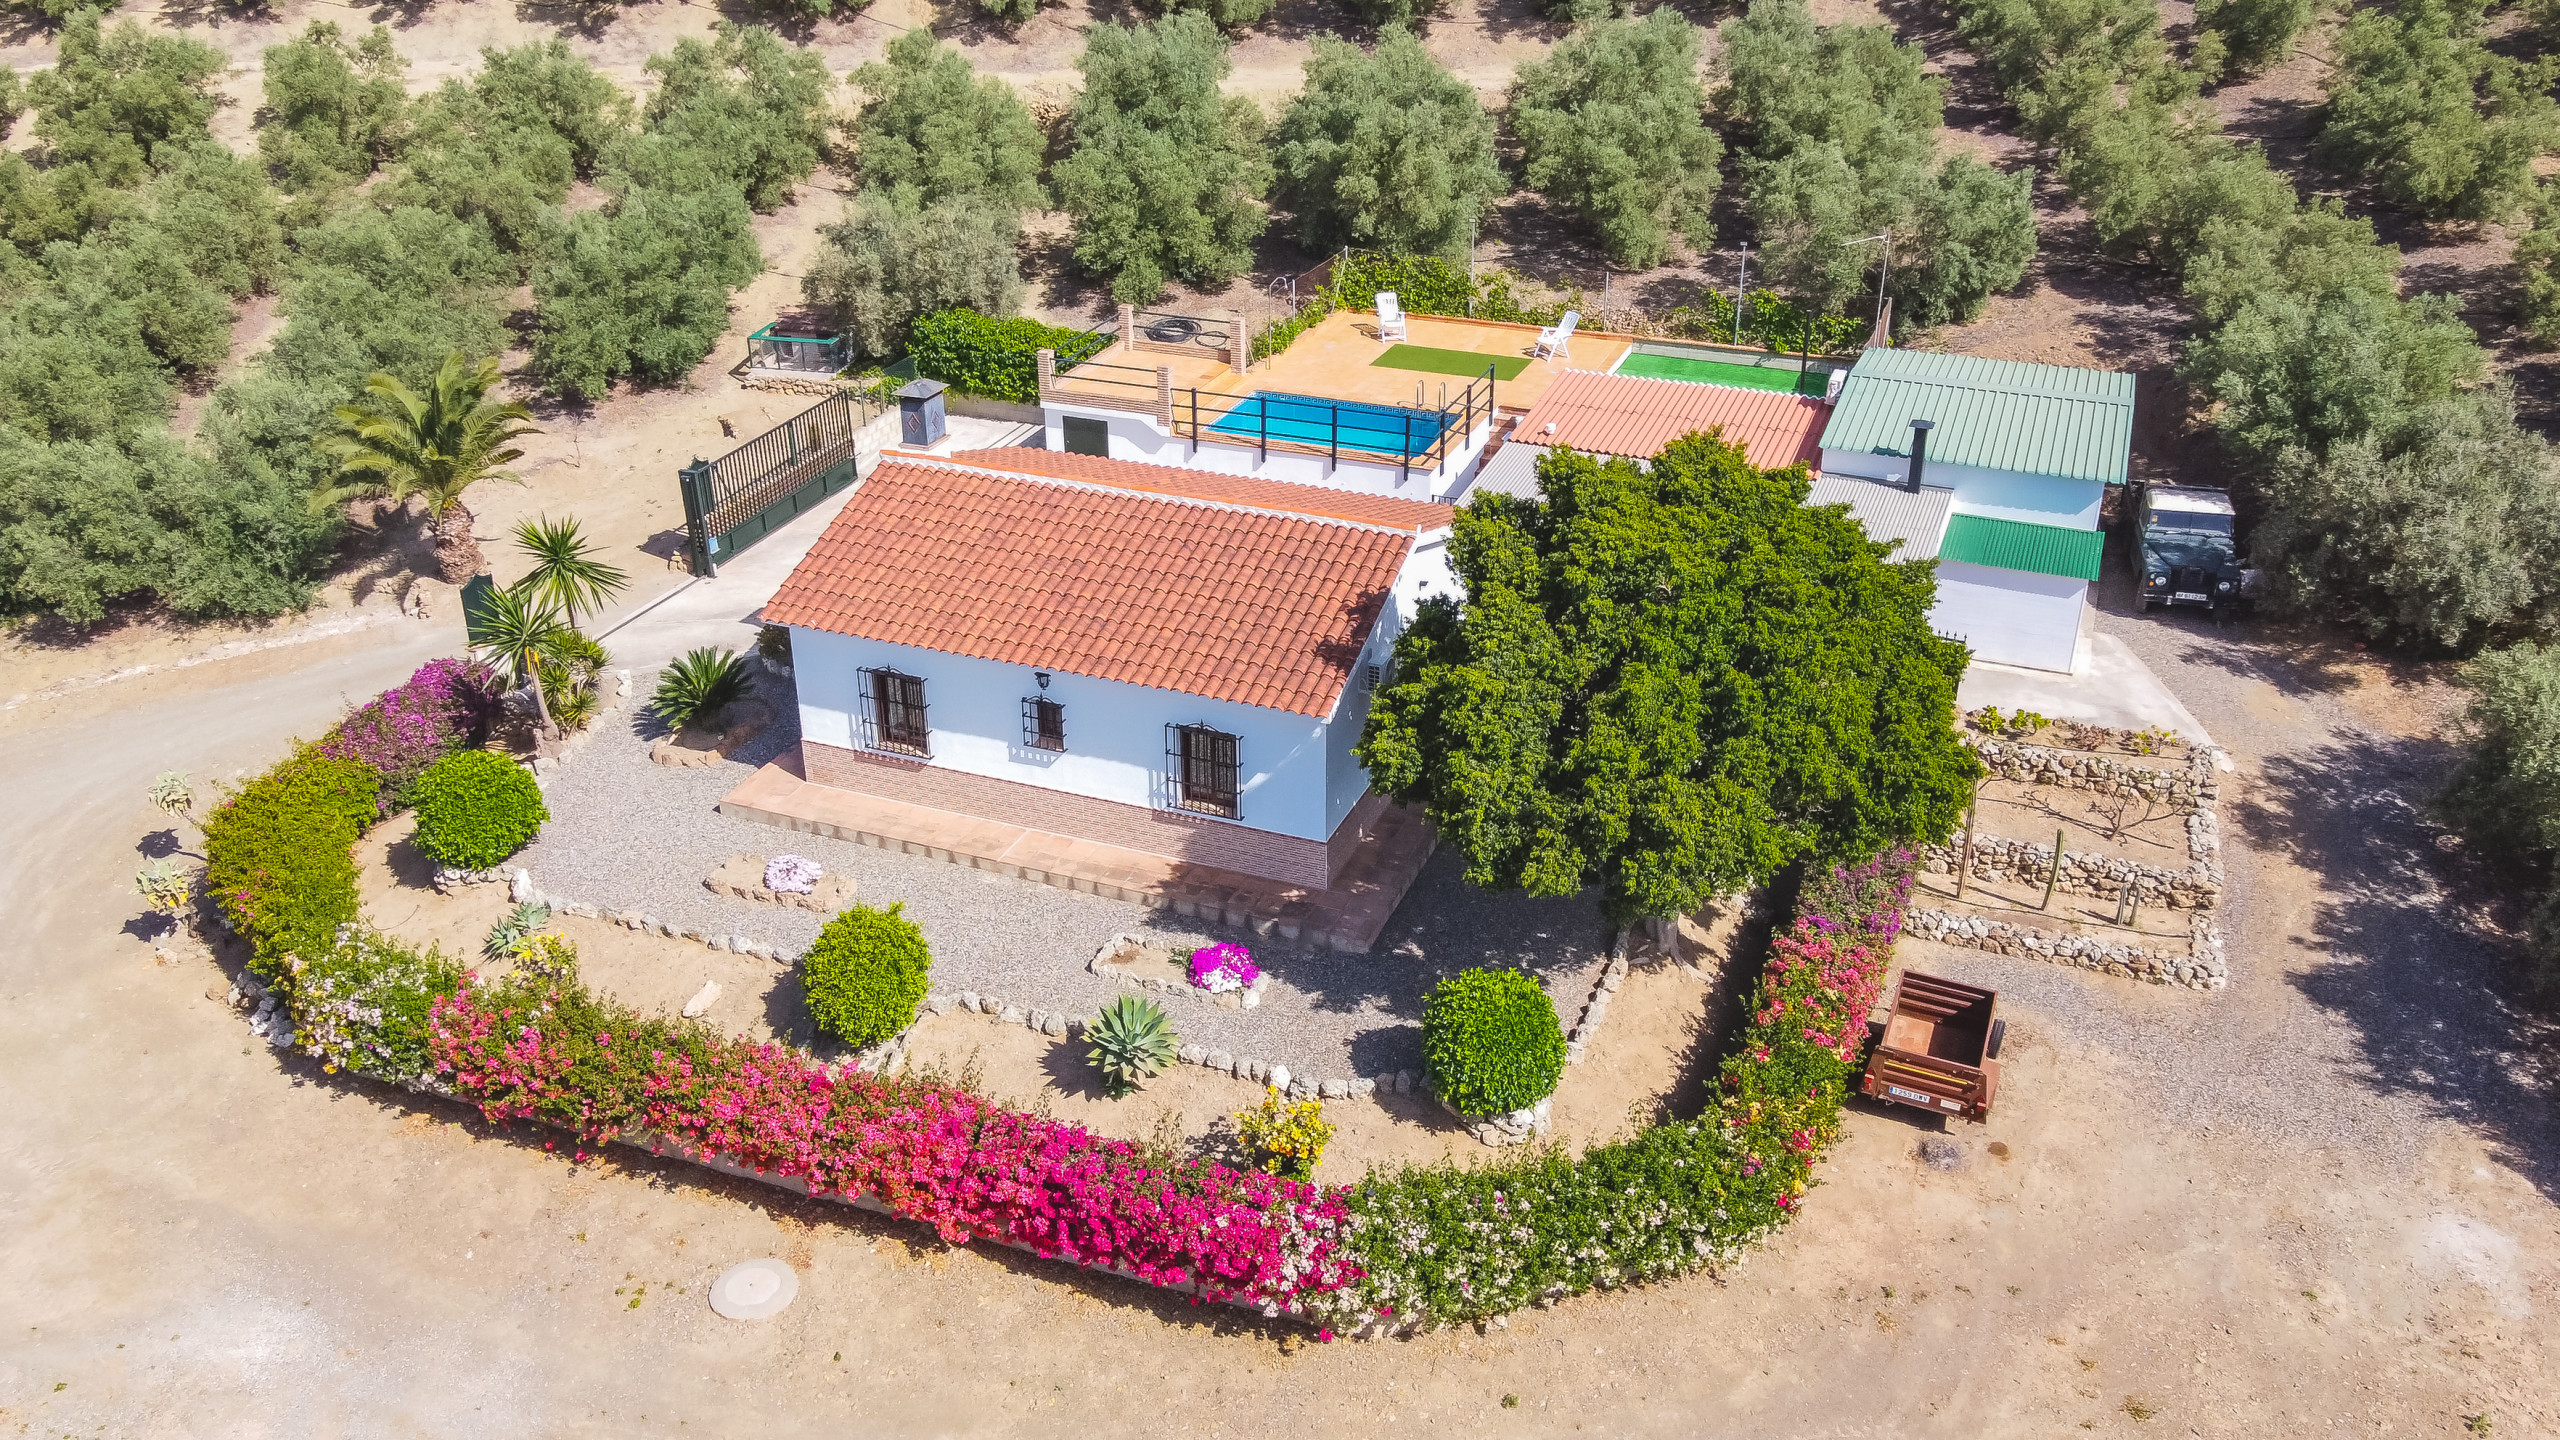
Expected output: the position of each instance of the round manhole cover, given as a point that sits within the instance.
(756, 1290)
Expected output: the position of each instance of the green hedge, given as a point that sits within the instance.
(1491, 1043)
(982, 355)
(865, 974)
(280, 862)
(475, 809)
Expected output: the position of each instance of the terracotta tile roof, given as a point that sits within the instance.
(1170, 592)
(1624, 415)
(1243, 490)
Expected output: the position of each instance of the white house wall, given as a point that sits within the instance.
(1999, 494)
(1115, 732)
(2010, 617)
(1137, 437)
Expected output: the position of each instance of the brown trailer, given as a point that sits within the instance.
(1940, 1050)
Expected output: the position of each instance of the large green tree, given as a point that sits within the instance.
(1167, 175)
(882, 266)
(1385, 150)
(1669, 684)
(1841, 127)
(934, 129)
(2450, 535)
(2506, 793)
(1612, 129)
(640, 289)
(334, 109)
(2442, 124)
(745, 109)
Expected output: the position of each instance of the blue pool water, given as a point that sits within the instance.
(1306, 420)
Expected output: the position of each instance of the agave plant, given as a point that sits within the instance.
(695, 689)
(512, 931)
(1132, 1040)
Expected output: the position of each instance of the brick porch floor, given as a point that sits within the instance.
(1395, 843)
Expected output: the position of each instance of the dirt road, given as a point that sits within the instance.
(2318, 1203)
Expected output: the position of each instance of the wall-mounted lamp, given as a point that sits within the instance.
(1042, 676)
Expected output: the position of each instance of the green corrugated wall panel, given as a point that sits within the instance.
(2017, 545)
(1995, 414)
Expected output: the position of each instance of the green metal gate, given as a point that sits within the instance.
(734, 501)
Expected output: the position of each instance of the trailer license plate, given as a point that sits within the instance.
(2190, 595)
(1914, 1096)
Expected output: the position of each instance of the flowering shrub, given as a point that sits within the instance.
(475, 809)
(1447, 1242)
(792, 874)
(547, 1048)
(280, 862)
(446, 706)
(1286, 1137)
(865, 974)
(1433, 1243)
(1221, 968)
(362, 1006)
(1491, 1042)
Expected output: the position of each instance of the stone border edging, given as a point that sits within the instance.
(2203, 967)
(1101, 964)
(2098, 877)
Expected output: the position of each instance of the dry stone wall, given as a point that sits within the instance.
(2103, 877)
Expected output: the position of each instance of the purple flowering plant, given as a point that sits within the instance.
(444, 707)
(1221, 968)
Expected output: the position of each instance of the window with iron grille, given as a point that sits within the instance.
(1204, 768)
(897, 711)
(1044, 724)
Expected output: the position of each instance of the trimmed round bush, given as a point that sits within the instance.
(475, 808)
(1490, 1042)
(865, 974)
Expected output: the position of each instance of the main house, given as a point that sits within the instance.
(1168, 661)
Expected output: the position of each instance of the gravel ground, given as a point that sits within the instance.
(2369, 989)
(628, 834)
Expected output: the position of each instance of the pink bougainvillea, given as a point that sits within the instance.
(1224, 967)
(929, 1152)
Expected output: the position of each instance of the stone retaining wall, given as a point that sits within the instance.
(2196, 782)
(2103, 877)
(2199, 967)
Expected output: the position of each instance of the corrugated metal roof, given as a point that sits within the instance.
(1889, 512)
(1623, 415)
(1997, 414)
(1513, 470)
(2017, 545)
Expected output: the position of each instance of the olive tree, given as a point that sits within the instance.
(1166, 176)
(1385, 150)
(1611, 128)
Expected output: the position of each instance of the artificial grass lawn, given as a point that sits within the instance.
(1717, 372)
(1432, 361)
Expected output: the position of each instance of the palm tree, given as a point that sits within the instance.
(565, 569)
(396, 443)
(517, 628)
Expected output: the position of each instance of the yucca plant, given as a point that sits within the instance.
(696, 688)
(514, 929)
(1132, 1040)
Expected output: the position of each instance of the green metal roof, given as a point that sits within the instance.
(2017, 545)
(1997, 414)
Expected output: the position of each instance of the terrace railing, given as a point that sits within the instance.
(734, 501)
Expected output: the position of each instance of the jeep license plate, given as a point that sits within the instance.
(1914, 1096)
(2190, 595)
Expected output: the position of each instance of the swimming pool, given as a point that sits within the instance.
(1326, 424)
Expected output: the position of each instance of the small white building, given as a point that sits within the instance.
(2017, 457)
(1170, 661)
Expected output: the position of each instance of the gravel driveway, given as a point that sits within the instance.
(629, 834)
(2369, 994)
